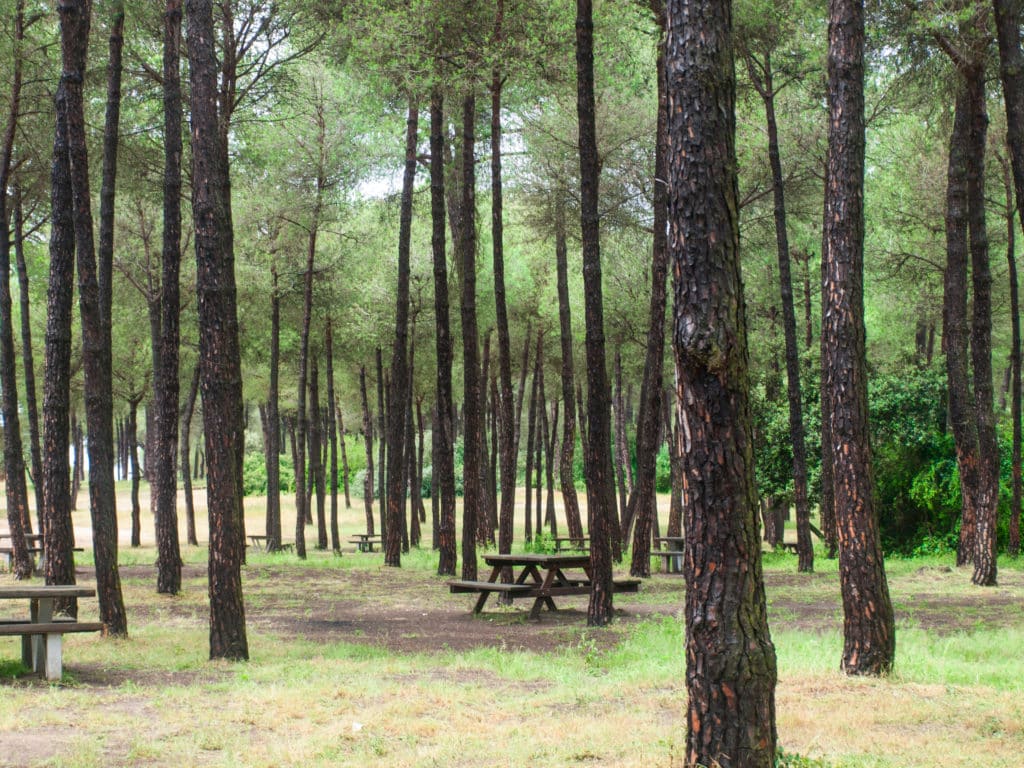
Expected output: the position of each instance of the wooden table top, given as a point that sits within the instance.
(45, 590)
(535, 558)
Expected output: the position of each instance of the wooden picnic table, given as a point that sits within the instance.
(262, 543)
(365, 541)
(40, 631)
(542, 577)
(672, 553)
(571, 542)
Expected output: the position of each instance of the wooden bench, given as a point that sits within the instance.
(673, 559)
(52, 632)
(364, 541)
(7, 553)
(463, 586)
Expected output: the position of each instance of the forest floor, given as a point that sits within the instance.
(354, 663)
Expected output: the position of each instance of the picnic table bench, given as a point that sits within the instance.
(542, 577)
(672, 556)
(365, 541)
(262, 543)
(42, 633)
(571, 542)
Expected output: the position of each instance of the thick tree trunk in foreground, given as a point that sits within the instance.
(472, 492)
(444, 438)
(730, 659)
(987, 509)
(219, 353)
(868, 628)
(96, 343)
(57, 503)
(1013, 537)
(397, 416)
(165, 381)
(600, 481)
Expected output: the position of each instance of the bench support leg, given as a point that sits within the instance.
(52, 660)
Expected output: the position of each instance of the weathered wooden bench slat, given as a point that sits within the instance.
(13, 628)
(463, 586)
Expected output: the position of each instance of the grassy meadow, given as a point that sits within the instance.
(355, 664)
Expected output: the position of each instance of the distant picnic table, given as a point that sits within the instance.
(541, 577)
(262, 543)
(366, 541)
(571, 542)
(672, 552)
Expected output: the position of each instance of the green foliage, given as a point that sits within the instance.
(254, 473)
(786, 759)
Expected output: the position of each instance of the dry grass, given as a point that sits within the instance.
(612, 700)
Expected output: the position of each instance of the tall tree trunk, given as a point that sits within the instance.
(382, 441)
(764, 82)
(94, 304)
(164, 491)
(368, 437)
(31, 402)
(273, 442)
(619, 439)
(340, 422)
(472, 493)
(868, 629)
(644, 498)
(494, 420)
(565, 459)
(981, 340)
(531, 432)
(1013, 538)
(400, 386)
(550, 512)
(414, 536)
(484, 534)
(730, 659)
(956, 333)
(443, 458)
(219, 353)
(316, 464)
(827, 504)
(57, 504)
(600, 481)
(332, 439)
(507, 437)
(136, 471)
(186, 472)
(18, 519)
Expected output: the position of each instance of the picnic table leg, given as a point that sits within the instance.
(482, 600)
(42, 612)
(543, 599)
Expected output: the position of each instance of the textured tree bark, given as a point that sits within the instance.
(316, 464)
(333, 413)
(164, 491)
(397, 416)
(31, 402)
(96, 343)
(987, 509)
(764, 82)
(492, 473)
(1013, 536)
(600, 481)
(531, 437)
(368, 437)
(827, 504)
(730, 659)
(219, 354)
(58, 537)
(643, 502)
(484, 531)
(550, 444)
(868, 630)
(131, 430)
(1011, 71)
(186, 472)
(273, 431)
(565, 459)
(18, 519)
(471, 496)
(956, 333)
(381, 442)
(443, 438)
(621, 461)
